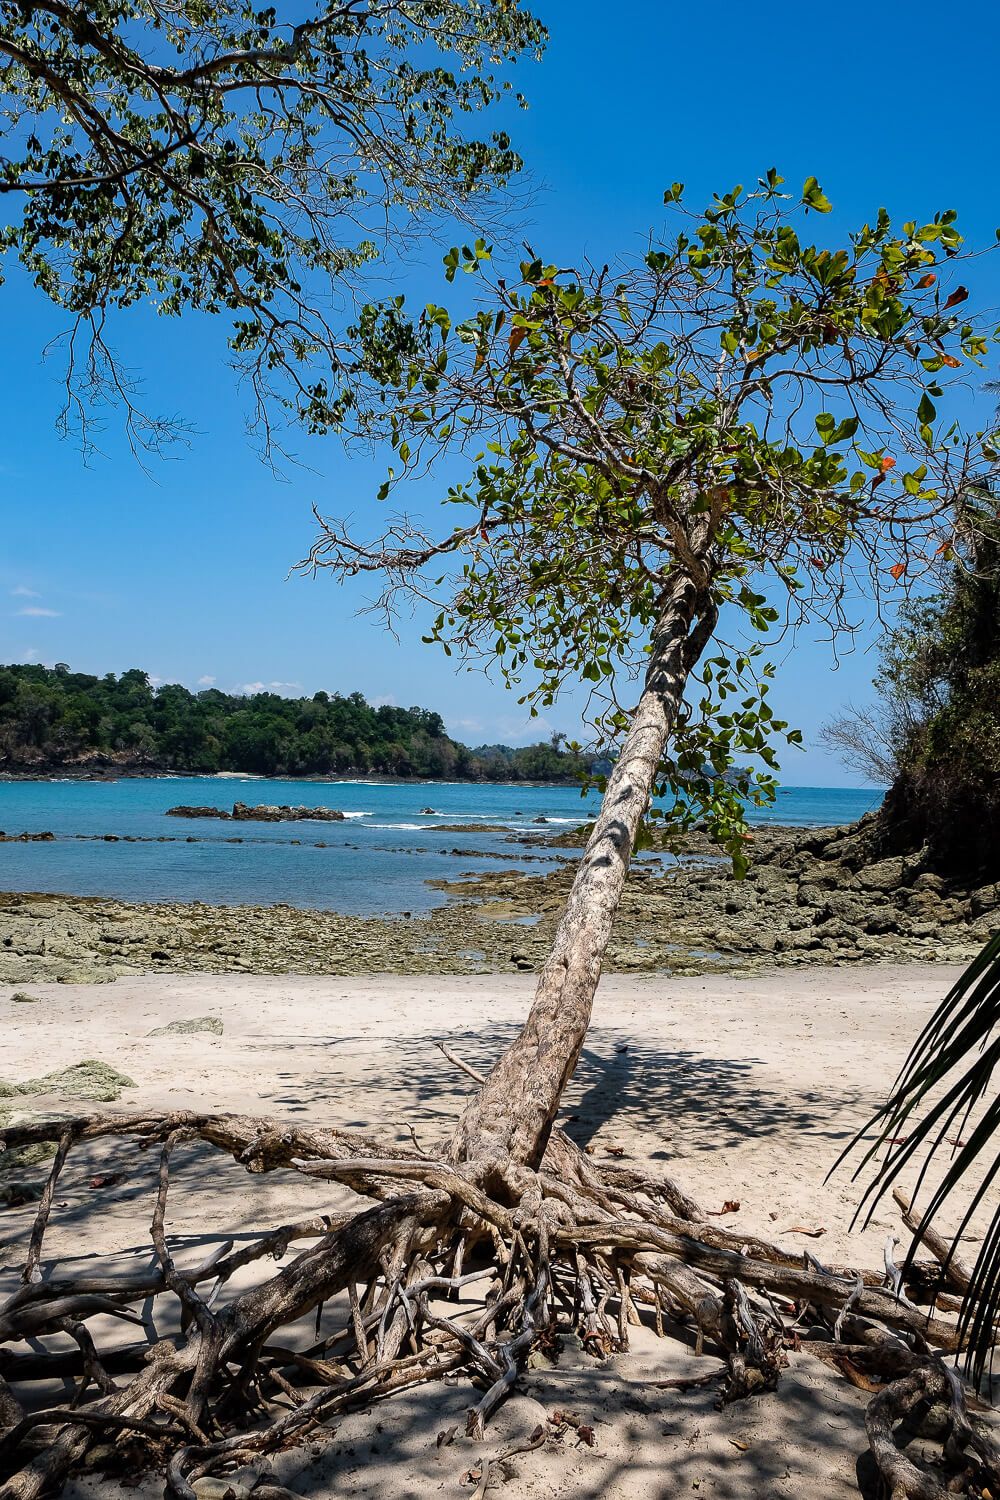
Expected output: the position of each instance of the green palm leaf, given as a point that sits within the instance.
(960, 1039)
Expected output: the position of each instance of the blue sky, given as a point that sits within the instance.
(183, 569)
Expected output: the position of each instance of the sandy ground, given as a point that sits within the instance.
(745, 1089)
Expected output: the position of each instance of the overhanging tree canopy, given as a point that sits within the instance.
(742, 411)
(224, 157)
(742, 405)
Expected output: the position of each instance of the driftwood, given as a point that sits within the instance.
(954, 1271)
(600, 1246)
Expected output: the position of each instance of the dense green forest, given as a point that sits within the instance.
(941, 671)
(54, 719)
(934, 735)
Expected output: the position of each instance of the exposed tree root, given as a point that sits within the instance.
(599, 1249)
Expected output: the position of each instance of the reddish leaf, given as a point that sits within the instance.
(106, 1179)
(731, 1206)
(888, 463)
(897, 570)
(517, 338)
(951, 361)
(586, 1434)
(927, 280)
(813, 1234)
(958, 295)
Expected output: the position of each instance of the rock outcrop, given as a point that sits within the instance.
(262, 813)
(813, 896)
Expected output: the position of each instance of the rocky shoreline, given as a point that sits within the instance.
(812, 896)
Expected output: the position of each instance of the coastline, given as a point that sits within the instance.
(347, 778)
(812, 897)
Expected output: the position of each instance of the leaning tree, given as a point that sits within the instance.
(217, 156)
(735, 433)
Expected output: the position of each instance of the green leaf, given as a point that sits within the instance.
(845, 429)
(814, 197)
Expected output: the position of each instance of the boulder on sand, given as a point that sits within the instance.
(195, 1023)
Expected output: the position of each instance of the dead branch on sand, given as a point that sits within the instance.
(566, 1243)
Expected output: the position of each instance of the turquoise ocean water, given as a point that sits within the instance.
(377, 861)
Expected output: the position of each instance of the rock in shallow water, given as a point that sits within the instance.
(799, 904)
(262, 813)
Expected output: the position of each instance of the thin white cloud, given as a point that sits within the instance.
(270, 687)
(21, 592)
(511, 731)
(206, 682)
(38, 613)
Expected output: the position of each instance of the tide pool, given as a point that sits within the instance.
(378, 861)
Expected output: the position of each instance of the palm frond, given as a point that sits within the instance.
(959, 1039)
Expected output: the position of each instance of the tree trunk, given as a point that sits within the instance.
(510, 1120)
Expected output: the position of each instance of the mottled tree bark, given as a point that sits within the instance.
(510, 1120)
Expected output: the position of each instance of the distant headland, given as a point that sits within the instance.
(54, 721)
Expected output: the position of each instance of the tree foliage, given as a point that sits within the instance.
(55, 718)
(736, 429)
(938, 718)
(745, 409)
(225, 158)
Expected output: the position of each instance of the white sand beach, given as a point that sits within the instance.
(745, 1090)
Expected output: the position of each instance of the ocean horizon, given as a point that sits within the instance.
(113, 838)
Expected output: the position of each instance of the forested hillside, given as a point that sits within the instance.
(934, 736)
(53, 719)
